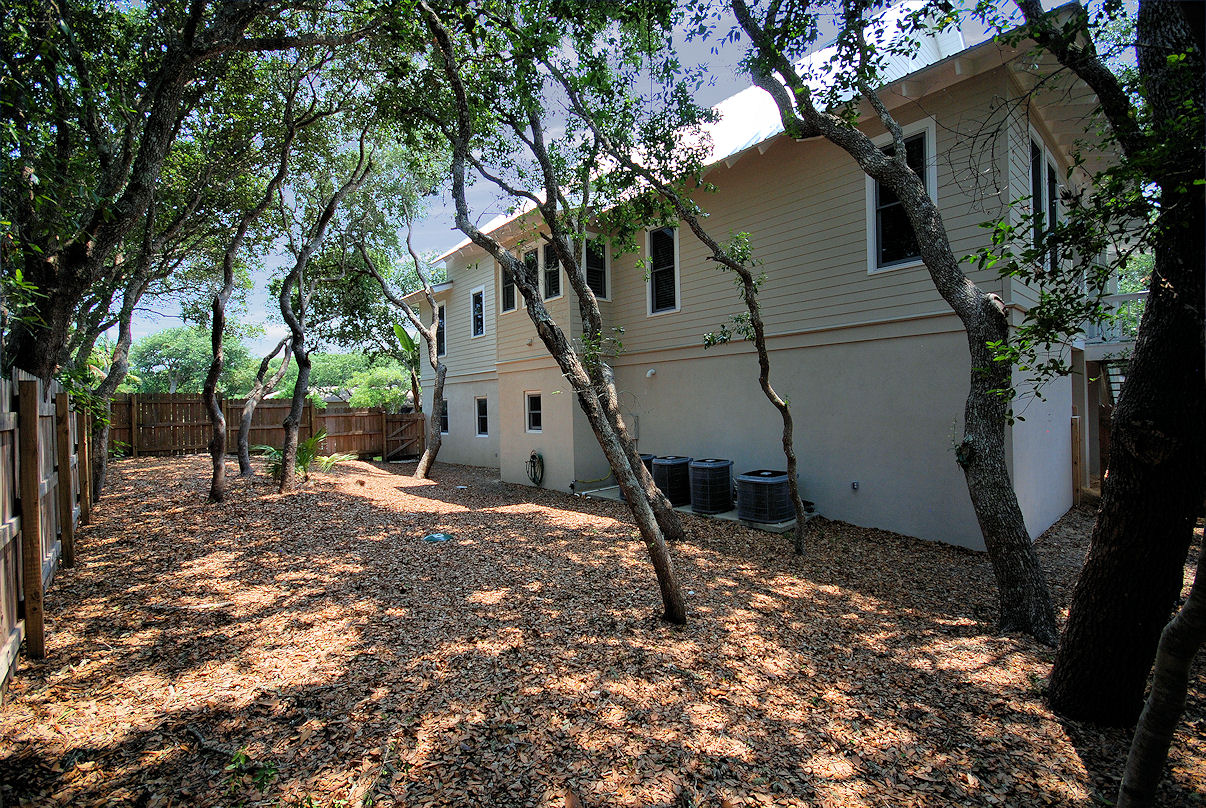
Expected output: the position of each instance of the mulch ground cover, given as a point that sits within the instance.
(311, 649)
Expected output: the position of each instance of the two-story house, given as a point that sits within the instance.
(874, 363)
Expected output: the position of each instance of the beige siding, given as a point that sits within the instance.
(466, 355)
(805, 206)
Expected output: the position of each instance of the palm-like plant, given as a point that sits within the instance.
(307, 456)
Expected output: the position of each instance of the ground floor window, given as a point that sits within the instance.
(532, 409)
(483, 421)
(444, 417)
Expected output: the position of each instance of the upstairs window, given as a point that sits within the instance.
(895, 242)
(478, 308)
(552, 273)
(441, 345)
(663, 270)
(1052, 214)
(508, 290)
(531, 266)
(1037, 205)
(595, 263)
(891, 243)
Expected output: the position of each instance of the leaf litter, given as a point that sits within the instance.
(310, 649)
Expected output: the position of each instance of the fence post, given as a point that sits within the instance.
(134, 424)
(63, 447)
(384, 432)
(84, 433)
(31, 517)
(310, 417)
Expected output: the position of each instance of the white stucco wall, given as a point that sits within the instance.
(869, 408)
(555, 440)
(1041, 452)
(461, 444)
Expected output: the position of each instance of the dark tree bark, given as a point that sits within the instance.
(1024, 602)
(598, 404)
(119, 366)
(415, 391)
(297, 405)
(1154, 488)
(428, 332)
(295, 318)
(292, 124)
(263, 385)
(1180, 641)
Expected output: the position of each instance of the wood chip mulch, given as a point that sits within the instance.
(312, 650)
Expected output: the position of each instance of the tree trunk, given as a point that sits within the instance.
(1151, 496)
(1023, 601)
(293, 419)
(209, 394)
(1156, 480)
(618, 449)
(261, 388)
(119, 367)
(434, 435)
(100, 450)
(1179, 642)
(415, 392)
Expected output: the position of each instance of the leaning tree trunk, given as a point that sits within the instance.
(119, 366)
(292, 422)
(261, 388)
(619, 456)
(1023, 600)
(434, 435)
(1179, 643)
(1153, 491)
(415, 391)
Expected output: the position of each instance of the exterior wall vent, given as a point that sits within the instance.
(763, 496)
(672, 475)
(711, 485)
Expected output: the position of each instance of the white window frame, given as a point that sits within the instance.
(606, 245)
(502, 282)
(440, 307)
(929, 129)
(477, 417)
(445, 419)
(678, 296)
(477, 290)
(527, 411)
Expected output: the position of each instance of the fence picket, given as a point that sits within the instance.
(180, 425)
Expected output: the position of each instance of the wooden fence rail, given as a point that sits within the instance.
(178, 423)
(45, 493)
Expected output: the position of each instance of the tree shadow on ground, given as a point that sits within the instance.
(354, 661)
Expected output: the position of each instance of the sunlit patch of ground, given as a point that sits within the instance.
(311, 650)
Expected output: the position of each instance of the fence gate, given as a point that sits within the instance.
(405, 435)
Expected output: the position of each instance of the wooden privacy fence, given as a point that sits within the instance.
(45, 493)
(178, 423)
